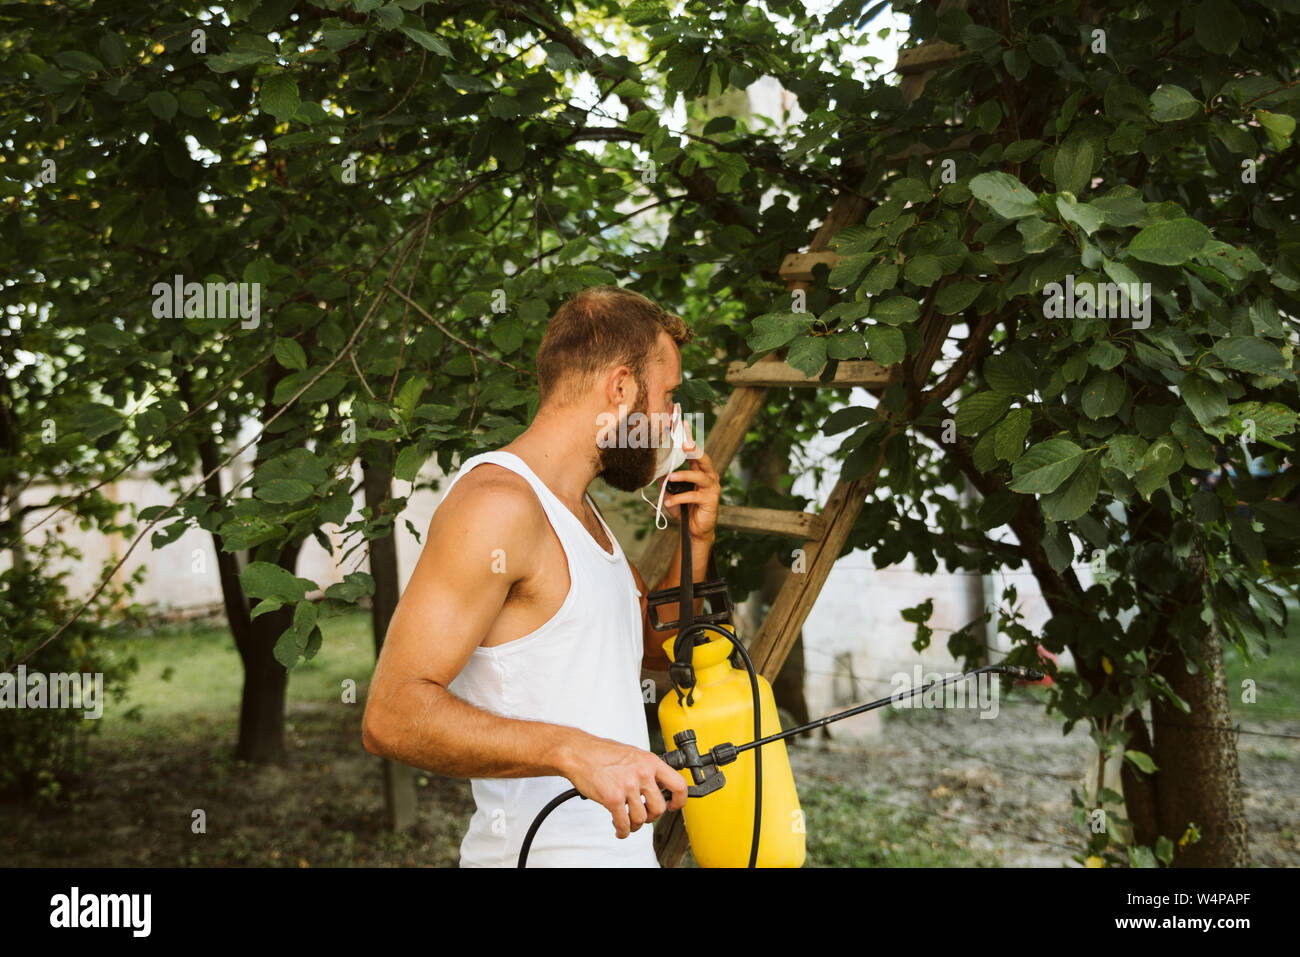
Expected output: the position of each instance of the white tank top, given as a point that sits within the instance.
(581, 668)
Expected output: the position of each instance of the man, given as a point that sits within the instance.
(514, 656)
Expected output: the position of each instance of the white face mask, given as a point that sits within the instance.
(669, 459)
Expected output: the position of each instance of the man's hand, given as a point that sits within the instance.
(617, 776)
(704, 497)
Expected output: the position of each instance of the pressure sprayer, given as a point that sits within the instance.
(710, 710)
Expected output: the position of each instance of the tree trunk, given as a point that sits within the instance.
(1198, 780)
(261, 709)
(377, 477)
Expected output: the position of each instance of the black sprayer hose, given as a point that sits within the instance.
(758, 762)
(1017, 671)
(537, 821)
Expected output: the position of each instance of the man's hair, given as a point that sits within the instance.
(601, 327)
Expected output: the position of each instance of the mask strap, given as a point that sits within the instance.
(658, 506)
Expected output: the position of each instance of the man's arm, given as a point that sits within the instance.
(451, 601)
(449, 605)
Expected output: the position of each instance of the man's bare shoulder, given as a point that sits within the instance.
(494, 498)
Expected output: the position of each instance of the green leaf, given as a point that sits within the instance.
(981, 410)
(1039, 234)
(1081, 214)
(844, 419)
(1268, 420)
(846, 272)
(1235, 138)
(507, 335)
(279, 96)
(162, 104)
(846, 313)
(1170, 103)
(336, 40)
(409, 395)
(953, 298)
(909, 190)
(1005, 195)
(1072, 169)
(1250, 354)
(409, 462)
(1021, 150)
(1010, 373)
(881, 277)
(1125, 452)
(895, 310)
(1073, 499)
(1169, 242)
(1058, 546)
(1197, 450)
(1164, 850)
(430, 41)
(284, 491)
(390, 15)
(1045, 466)
(1141, 761)
(1009, 436)
(1103, 396)
(112, 49)
(887, 345)
(1121, 210)
(1206, 400)
(1219, 25)
(95, 421)
(1105, 354)
(289, 353)
(1163, 458)
(924, 270)
(507, 146)
(847, 344)
(267, 580)
(78, 60)
(1278, 126)
(775, 329)
(234, 60)
(807, 354)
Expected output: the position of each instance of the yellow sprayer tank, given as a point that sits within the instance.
(721, 825)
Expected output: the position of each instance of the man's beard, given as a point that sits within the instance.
(629, 469)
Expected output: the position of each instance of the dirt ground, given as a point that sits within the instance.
(1009, 780)
(1005, 790)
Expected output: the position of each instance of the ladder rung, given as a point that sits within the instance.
(929, 56)
(798, 267)
(858, 372)
(804, 526)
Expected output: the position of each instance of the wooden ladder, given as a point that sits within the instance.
(823, 534)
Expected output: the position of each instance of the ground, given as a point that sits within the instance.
(939, 788)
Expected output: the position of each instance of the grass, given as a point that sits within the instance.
(849, 828)
(194, 671)
(1276, 676)
(152, 771)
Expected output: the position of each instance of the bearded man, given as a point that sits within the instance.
(514, 657)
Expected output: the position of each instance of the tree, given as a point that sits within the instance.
(414, 187)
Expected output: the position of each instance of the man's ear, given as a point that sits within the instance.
(620, 387)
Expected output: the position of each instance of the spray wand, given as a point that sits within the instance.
(705, 768)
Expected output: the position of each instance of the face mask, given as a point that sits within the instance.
(669, 459)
